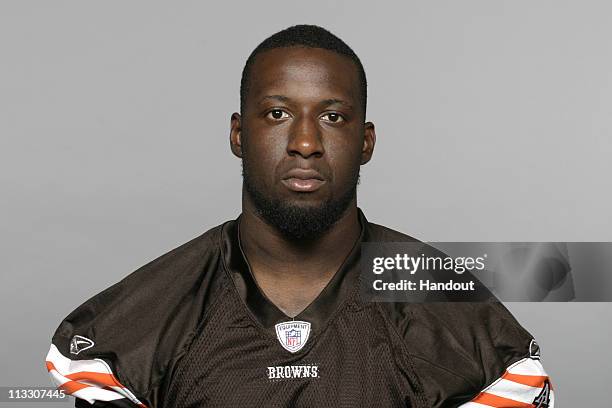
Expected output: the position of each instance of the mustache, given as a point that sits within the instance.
(304, 169)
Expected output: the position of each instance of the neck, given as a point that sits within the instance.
(265, 246)
(285, 268)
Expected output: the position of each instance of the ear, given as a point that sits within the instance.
(236, 134)
(369, 140)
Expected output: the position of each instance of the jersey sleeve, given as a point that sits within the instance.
(472, 355)
(92, 382)
(87, 358)
(524, 384)
(119, 348)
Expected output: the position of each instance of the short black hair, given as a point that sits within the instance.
(303, 35)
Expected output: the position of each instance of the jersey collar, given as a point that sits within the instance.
(342, 287)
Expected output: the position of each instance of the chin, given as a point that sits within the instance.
(305, 202)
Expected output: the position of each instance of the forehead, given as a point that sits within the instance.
(303, 73)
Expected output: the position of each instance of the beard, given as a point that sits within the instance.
(296, 222)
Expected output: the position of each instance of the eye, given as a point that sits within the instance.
(277, 114)
(333, 117)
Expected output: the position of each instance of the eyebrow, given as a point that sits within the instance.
(330, 101)
(280, 98)
(333, 101)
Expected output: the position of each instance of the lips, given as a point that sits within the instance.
(303, 180)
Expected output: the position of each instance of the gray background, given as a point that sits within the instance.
(493, 122)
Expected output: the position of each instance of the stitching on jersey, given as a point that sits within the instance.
(500, 377)
(421, 391)
(188, 343)
(510, 317)
(234, 288)
(444, 324)
(467, 380)
(119, 384)
(195, 335)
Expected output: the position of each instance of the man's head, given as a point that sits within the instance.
(302, 134)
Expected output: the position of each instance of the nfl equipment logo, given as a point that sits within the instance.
(294, 338)
(293, 335)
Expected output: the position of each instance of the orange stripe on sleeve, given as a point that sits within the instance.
(530, 380)
(97, 378)
(72, 386)
(499, 402)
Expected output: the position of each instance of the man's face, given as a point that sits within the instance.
(302, 138)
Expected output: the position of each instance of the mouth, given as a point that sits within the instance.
(303, 180)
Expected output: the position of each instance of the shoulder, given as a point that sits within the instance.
(469, 332)
(458, 349)
(134, 330)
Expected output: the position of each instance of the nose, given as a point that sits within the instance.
(305, 138)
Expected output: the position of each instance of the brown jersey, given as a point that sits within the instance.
(192, 329)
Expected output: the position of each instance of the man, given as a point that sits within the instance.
(265, 310)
